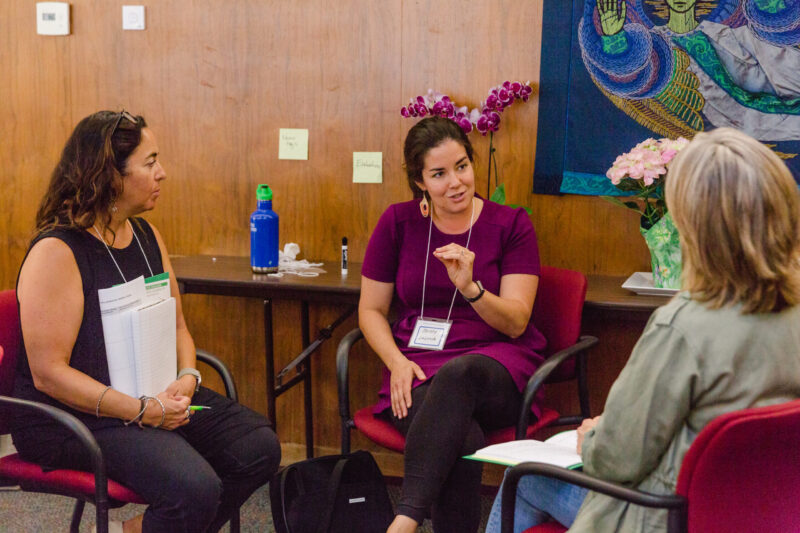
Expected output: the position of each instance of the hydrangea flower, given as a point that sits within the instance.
(641, 172)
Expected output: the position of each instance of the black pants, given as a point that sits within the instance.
(194, 477)
(447, 419)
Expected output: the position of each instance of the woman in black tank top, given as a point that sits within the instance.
(195, 471)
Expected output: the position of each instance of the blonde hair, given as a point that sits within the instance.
(737, 209)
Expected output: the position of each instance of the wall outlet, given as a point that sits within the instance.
(52, 18)
(132, 17)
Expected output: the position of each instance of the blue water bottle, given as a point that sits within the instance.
(264, 233)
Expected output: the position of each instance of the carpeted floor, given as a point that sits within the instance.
(25, 512)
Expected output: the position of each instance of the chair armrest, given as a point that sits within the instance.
(542, 373)
(80, 431)
(676, 505)
(342, 365)
(227, 378)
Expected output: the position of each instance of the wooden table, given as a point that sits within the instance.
(617, 317)
(606, 293)
(232, 276)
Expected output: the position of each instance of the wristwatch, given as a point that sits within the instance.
(478, 296)
(191, 372)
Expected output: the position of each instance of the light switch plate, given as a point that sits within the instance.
(132, 17)
(52, 18)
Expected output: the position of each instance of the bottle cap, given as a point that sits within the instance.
(263, 192)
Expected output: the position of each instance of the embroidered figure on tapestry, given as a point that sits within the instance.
(665, 68)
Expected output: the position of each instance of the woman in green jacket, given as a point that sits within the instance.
(729, 340)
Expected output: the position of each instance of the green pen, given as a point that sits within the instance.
(198, 407)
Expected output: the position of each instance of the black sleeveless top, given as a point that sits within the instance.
(31, 431)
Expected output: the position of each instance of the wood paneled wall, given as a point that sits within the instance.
(216, 79)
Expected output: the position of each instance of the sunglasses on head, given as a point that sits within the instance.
(122, 114)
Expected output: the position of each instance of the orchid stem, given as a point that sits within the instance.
(496, 173)
(489, 177)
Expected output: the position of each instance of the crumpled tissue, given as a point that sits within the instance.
(289, 264)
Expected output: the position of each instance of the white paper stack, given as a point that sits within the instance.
(139, 333)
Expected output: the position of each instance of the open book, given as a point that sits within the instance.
(559, 450)
(139, 334)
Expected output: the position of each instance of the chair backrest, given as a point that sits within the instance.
(559, 306)
(742, 472)
(557, 312)
(9, 341)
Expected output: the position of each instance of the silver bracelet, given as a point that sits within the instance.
(163, 412)
(100, 399)
(146, 400)
(142, 407)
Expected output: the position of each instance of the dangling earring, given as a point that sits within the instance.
(114, 208)
(424, 208)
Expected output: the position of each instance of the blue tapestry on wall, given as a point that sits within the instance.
(615, 72)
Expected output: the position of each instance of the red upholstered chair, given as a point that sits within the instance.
(556, 313)
(93, 487)
(742, 473)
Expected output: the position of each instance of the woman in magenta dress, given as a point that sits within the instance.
(449, 258)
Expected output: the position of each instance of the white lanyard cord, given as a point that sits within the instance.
(425, 272)
(137, 242)
(428, 253)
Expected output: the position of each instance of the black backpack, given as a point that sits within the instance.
(331, 494)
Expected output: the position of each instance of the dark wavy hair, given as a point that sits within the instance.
(429, 133)
(88, 178)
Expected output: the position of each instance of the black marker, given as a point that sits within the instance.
(344, 255)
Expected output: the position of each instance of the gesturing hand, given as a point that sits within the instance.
(458, 261)
(402, 377)
(612, 15)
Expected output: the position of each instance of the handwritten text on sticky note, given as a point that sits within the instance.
(367, 167)
(293, 144)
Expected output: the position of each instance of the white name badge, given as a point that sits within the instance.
(430, 333)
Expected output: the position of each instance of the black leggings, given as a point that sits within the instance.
(448, 416)
(195, 477)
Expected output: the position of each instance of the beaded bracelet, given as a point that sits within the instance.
(100, 399)
(138, 417)
(163, 412)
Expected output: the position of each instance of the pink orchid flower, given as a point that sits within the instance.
(485, 118)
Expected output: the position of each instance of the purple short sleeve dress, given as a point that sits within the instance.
(504, 242)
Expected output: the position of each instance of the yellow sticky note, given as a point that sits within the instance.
(293, 144)
(367, 167)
